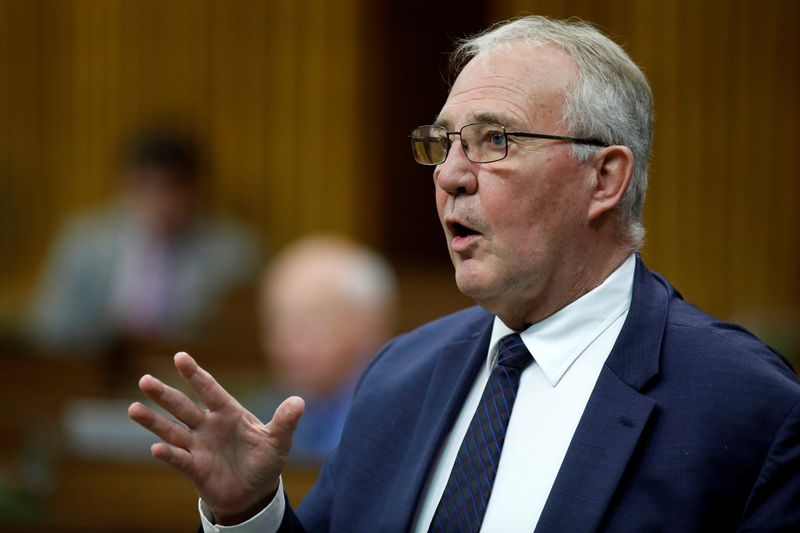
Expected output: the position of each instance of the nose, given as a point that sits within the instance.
(457, 175)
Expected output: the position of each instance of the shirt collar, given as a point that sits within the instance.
(558, 340)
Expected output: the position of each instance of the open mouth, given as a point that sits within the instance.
(460, 231)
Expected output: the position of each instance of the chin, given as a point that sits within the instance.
(473, 285)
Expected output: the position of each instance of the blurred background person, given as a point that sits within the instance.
(150, 265)
(327, 306)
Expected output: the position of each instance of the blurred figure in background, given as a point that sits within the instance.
(147, 266)
(326, 307)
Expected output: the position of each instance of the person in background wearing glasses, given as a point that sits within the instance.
(632, 410)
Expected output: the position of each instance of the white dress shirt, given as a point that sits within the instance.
(569, 349)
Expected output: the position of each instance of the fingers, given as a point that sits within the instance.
(285, 420)
(175, 457)
(174, 401)
(167, 430)
(208, 390)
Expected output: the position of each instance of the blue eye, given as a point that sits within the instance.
(497, 138)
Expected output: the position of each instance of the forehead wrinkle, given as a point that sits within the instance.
(466, 95)
(512, 115)
(529, 93)
(495, 117)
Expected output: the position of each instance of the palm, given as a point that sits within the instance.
(231, 458)
(235, 460)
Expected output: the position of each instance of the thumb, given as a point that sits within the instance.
(285, 420)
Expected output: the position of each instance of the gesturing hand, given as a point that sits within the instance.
(231, 458)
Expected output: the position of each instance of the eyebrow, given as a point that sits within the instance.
(484, 116)
(446, 124)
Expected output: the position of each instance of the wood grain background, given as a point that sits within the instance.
(305, 107)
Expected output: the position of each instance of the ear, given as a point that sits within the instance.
(613, 170)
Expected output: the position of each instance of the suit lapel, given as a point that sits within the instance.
(615, 416)
(598, 454)
(454, 371)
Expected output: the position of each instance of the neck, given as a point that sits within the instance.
(587, 274)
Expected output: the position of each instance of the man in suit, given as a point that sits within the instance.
(326, 306)
(616, 405)
(151, 264)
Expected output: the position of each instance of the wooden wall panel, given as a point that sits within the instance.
(283, 92)
(274, 89)
(721, 210)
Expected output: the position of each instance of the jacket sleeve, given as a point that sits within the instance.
(774, 502)
(290, 522)
(314, 512)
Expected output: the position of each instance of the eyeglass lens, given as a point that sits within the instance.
(483, 143)
(430, 144)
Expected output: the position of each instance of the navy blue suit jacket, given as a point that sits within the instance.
(693, 425)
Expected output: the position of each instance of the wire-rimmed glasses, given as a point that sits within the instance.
(483, 142)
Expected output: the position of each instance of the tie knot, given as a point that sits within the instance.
(513, 353)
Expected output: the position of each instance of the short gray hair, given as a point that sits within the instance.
(611, 99)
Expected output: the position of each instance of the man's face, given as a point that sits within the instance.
(163, 207)
(512, 226)
(312, 334)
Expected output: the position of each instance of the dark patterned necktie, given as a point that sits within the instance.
(466, 495)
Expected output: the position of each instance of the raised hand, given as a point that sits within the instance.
(230, 457)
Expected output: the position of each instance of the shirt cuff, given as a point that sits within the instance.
(266, 521)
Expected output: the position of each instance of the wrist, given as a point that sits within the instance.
(233, 518)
